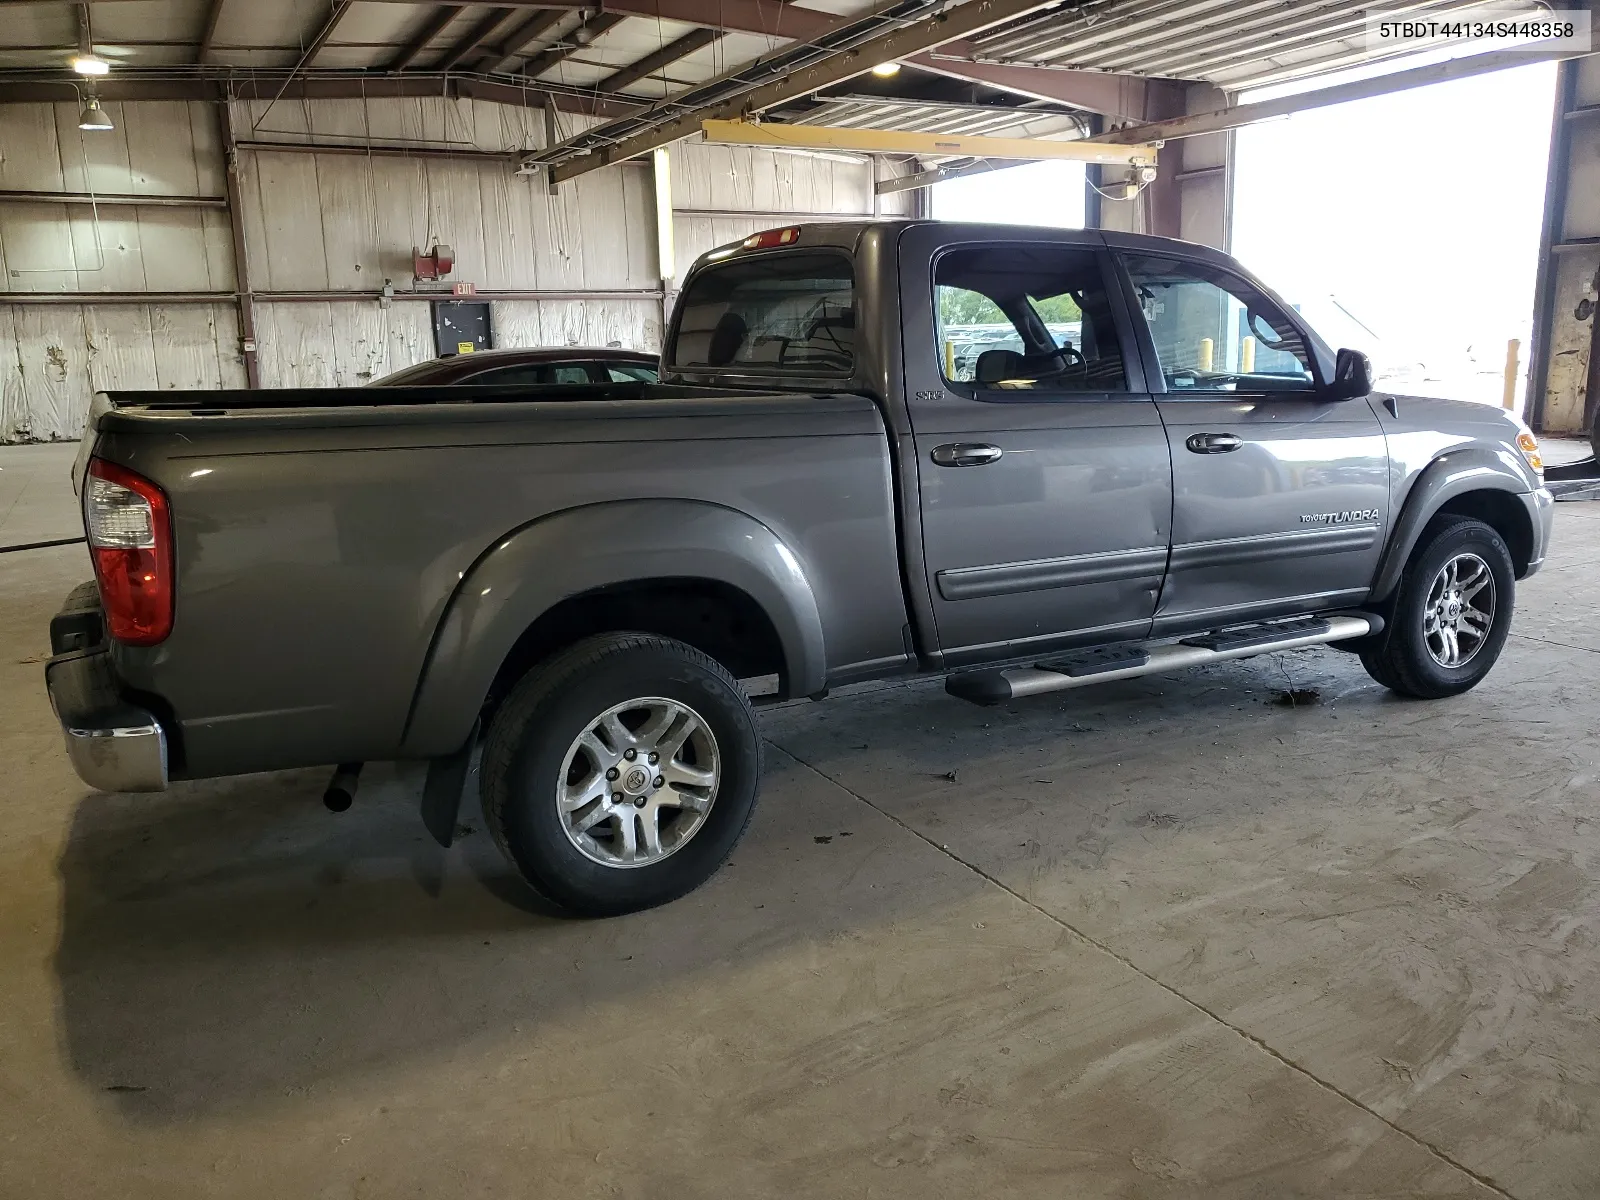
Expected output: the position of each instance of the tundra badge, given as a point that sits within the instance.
(1352, 516)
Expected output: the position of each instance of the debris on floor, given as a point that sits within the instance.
(1296, 698)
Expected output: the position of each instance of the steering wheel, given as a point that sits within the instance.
(1065, 358)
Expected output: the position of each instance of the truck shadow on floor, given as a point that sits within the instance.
(231, 944)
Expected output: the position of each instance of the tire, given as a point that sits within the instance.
(1411, 656)
(537, 766)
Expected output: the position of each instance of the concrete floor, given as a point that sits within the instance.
(36, 501)
(1158, 939)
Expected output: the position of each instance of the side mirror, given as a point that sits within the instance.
(1352, 377)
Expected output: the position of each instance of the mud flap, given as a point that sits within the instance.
(441, 792)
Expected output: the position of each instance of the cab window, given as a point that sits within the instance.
(1026, 319)
(772, 314)
(1215, 331)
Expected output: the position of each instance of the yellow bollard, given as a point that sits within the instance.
(1206, 349)
(949, 360)
(1513, 350)
(1247, 356)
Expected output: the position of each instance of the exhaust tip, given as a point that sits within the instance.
(341, 790)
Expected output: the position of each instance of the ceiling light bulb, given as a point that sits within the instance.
(90, 64)
(884, 70)
(94, 117)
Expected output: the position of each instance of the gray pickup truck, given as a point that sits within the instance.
(1154, 463)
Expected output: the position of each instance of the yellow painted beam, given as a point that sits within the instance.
(926, 145)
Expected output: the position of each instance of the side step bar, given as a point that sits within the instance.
(1057, 675)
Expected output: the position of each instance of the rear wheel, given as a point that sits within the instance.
(1452, 612)
(619, 774)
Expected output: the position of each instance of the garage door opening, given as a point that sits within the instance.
(1041, 193)
(1406, 225)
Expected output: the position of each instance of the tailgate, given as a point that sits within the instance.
(98, 407)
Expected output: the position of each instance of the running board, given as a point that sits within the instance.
(1057, 675)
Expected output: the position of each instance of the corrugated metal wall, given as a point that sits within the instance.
(348, 222)
(712, 186)
(318, 223)
(52, 357)
(325, 223)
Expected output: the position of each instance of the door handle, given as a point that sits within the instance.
(1213, 443)
(965, 454)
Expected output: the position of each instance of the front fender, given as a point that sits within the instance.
(569, 553)
(1468, 469)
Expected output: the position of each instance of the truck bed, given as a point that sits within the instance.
(321, 536)
(235, 401)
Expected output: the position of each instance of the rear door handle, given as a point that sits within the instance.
(965, 454)
(1213, 443)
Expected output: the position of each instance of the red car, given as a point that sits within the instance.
(569, 364)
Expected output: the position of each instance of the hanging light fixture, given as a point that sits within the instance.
(886, 69)
(93, 116)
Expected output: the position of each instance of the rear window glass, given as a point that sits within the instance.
(788, 313)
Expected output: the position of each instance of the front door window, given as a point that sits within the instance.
(1216, 332)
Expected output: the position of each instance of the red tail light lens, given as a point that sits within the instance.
(129, 527)
(772, 237)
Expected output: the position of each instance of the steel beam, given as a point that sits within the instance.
(208, 35)
(656, 60)
(324, 85)
(80, 17)
(375, 151)
(512, 45)
(1361, 89)
(120, 198)
(933, 175)
(923, 145)
(900, 43)
(432, 28)
(768, 17)
(1121, 96)
(472, 41)
(1550, 229)
(534, 93)
(317, 41)
(554, 56)
(320, 38)
(241, 248)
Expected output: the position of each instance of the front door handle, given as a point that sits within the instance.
(965, 454)
(1213, 443)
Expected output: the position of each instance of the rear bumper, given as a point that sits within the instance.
(114, 745)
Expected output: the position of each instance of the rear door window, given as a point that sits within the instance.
(770, 314)
(1033, 318)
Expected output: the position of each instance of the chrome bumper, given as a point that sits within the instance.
(114, 746)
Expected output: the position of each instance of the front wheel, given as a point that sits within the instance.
(1452, 612)
(619, 774)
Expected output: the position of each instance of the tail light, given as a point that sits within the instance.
(129, 527)
(772, 237)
